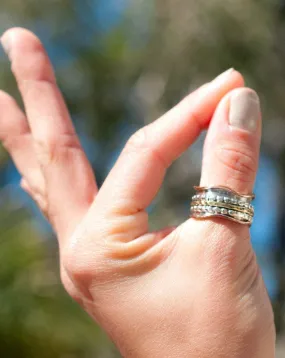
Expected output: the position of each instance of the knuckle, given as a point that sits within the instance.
(85, 266)
(69, 286)
(44, 150)
(141, 142)
(37, 193)
(239, 161)
(12, 141)
(53, 146)
(138, 140)
(77, 272)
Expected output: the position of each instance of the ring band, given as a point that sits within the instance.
(220, 201)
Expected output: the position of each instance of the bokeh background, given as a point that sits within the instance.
(120, 64)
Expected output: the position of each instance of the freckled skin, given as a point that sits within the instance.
(192, 291)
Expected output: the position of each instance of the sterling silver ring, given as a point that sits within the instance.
(220, 201)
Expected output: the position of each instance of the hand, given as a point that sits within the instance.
(190, 291)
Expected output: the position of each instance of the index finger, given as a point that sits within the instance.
(60, 155)
(138, 174)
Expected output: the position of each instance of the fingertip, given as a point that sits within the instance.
(224, 83)
(245, 111)
(21, 39)
(27, 55)
(238, 78)
(19, 35)
(235, 101)
(212, 94)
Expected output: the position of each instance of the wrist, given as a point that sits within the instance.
(161, 344)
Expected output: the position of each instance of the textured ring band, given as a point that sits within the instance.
(222, 202)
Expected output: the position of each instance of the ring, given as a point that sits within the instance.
(220, 201)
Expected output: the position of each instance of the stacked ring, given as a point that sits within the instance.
(222, 202)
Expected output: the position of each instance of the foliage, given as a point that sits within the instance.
(38, 319)
(116, 79)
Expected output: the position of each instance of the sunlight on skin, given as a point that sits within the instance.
(191, 291)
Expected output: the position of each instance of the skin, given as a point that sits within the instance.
(191, 291)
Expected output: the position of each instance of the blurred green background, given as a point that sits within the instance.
(120, 64)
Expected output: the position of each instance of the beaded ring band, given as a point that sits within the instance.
(222, 202)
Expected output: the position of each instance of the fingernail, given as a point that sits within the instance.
(6, 44)
(244, 110)
(223, 75)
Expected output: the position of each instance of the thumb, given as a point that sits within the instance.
(230, 159)
(232, 145)
(231, 150)
(231, 155)
(221, 255)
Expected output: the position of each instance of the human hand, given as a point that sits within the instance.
(190, 291)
